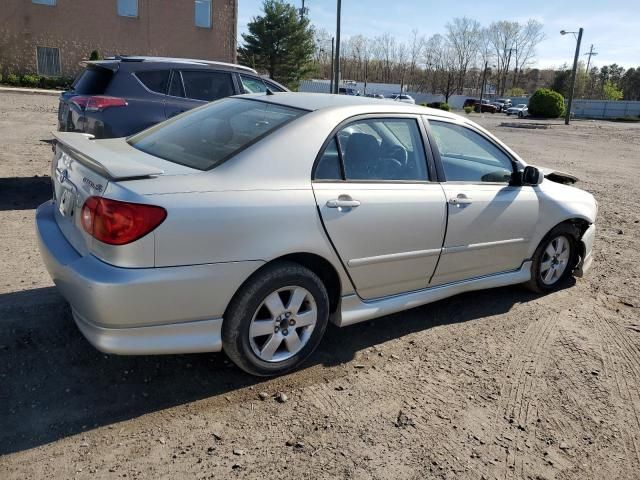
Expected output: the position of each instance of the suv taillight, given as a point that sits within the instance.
(119, 223)
(97, 103)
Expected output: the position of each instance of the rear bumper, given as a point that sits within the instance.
(587, 244)
(140, 310)
(189, 337)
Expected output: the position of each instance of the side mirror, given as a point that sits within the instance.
(532, 176)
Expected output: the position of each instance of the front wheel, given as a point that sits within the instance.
(276, 320)
(554, 259)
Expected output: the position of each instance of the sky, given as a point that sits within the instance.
(612, 26)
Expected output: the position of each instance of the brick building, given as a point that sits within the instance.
(52, 37)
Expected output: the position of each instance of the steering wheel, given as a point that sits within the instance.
(388, 168)
(397, 152)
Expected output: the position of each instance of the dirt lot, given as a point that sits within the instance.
(496, 384)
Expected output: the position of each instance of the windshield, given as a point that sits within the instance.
(209, 135)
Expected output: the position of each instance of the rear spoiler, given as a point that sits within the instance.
(109, 65)
(109, 162)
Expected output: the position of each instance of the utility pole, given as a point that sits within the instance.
(336, 70)
(332, 63)
(303, 11)
(567, 115)
(590, 54)
(484, 76)
(506, 74)
(366, 74)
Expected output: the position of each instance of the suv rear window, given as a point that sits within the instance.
(209, 135)
(93, 81)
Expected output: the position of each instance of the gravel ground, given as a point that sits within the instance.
(495, 384)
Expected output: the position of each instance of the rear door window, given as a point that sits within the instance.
(93, 81)
(154, 80)
(207, 86)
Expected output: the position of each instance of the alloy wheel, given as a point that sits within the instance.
(283, 323)
(555, 259)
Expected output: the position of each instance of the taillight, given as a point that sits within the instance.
(119, 223)
(97, 103)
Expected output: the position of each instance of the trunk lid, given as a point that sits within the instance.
(83, 167)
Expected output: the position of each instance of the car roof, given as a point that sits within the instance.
(324, 101)
(188, 61)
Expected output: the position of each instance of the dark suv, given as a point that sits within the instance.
(120, 96)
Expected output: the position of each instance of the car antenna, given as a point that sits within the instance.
(269, 91)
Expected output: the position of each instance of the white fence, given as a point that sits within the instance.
(581, 108)
(605, 108)
(387, 89)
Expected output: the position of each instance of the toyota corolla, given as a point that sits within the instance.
(248, 224)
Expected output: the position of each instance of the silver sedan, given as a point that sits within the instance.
(248, 224)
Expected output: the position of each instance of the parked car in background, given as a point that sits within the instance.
(499, 106)
(379, 96)
(402, 97)
(120, 96)
(522, 110)
(470, 102)
(486, 106)
(505, 101)
(349, 91)
(205, 233)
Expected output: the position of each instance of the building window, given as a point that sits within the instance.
(203, 13)
(128, 8)
(51, 3)
(48, 60)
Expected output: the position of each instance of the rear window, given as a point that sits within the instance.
(209, 135)
(93, 81)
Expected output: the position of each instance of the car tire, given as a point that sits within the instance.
(244, 338)
(520, 115)
(543, 278)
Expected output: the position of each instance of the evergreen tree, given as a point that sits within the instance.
(279, 42)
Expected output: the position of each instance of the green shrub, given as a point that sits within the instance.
(95, 55)
(13, 79)
(445, 107)
(468, 110)
(423, 104)
(546, 103)
(30, 80)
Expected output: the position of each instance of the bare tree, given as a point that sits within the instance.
(445, 64)
(463, 35)
(387, 50)
(415, 54)
(528, 38)
(502, 36)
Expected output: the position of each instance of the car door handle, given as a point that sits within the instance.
(461, 199)
(343, 203)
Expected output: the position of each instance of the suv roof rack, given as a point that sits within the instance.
(193, 61)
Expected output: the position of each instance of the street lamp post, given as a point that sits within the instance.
(336, 70)
(567, 114)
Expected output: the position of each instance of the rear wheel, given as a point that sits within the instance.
(276, 320)
(554, 259)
